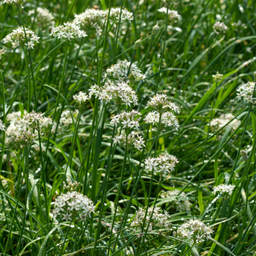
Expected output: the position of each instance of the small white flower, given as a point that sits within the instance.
(164, 164)
(194, 230)
(2, 127)
(17, 37)
(2, 52)
(223, 189)
(81, 97)
(220, 28)
(245, 91)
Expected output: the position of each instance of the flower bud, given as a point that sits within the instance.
(137, 44)
(156, 29)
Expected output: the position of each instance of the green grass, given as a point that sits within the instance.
(179, 61)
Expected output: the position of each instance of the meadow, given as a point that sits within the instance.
(127, 127)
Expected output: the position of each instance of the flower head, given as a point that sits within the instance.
(2, 126)
(2, 52)
(68, 31)
(127, 119)
(178, 200)
(224, 119)
(245, 91)
(224, 189)
(154, 216)
(119, 72)
(220, 28)
(43, 17)
(81, 98)
(164, 164)
(72, 205)
(194, 230)
(17, 37)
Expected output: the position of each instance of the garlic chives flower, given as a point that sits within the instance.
(173, 15)
(133, 139)
(160, 102)
(17, 37)
(164, 164)
(68, 31)
(2, 52)
(2, 126)
(179, 200)
(15, 2)
(217, 77)
(245, 91)
(126, 119)
(224, 119)
(223, 189)
(72, 205)
(81, 97)
(119, 72)
(35, 120)
(194, 230)
(96, 18)
(220, 28)
(164, 109)
(43, 17)
(120, 93)
(154, 217)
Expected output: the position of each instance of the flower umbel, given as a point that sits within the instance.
(245, 91)
(194, 230)
(220, 28)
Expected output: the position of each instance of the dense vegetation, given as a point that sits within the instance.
(127, 127)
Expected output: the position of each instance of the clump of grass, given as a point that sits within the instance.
(127, 128)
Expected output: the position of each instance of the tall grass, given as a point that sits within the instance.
(137, 210)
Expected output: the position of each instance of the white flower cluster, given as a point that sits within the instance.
(173, 15)
(43, 17)
(81, 98)
(72, 206)
(66, 117)
(119, 72)
(2, 126)
(96, 18)
(217, 76)
(238, 25)
(71, 186)
(223, 189)
(224, 119)
(161, 104)
(122, 14)
(154, 216)
(167, 118)
(164, 164)
(193, 230)
(35, 120)
(2, 52)
(17, 37)
(127, 119)
(133, 139)
(179, 202)
(120, 93)
(245, 91)
(23, 131)
(14, 2)
(220, 28)
(68, 31)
